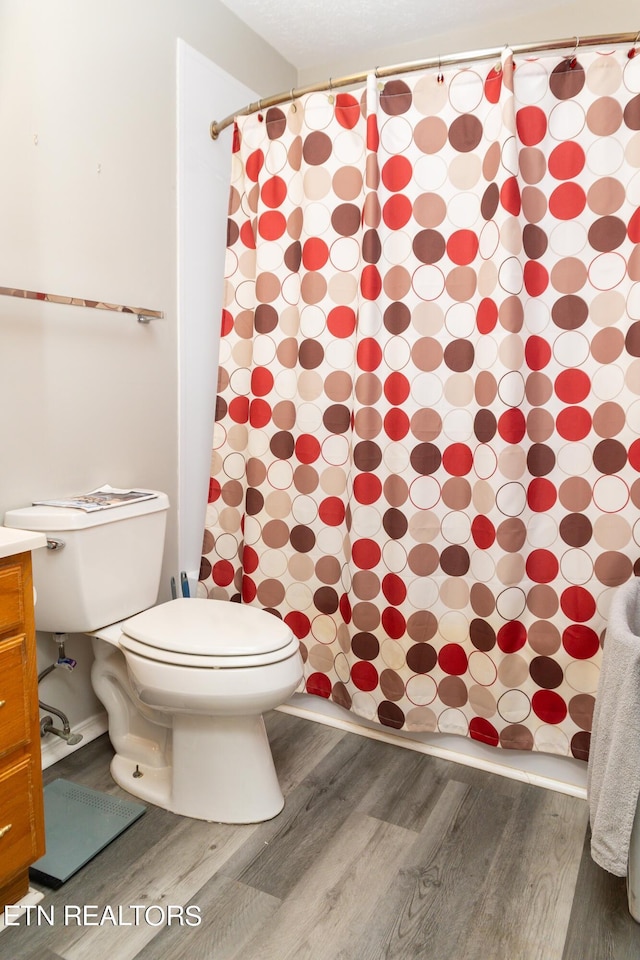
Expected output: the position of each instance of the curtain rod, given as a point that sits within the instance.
(572, 43)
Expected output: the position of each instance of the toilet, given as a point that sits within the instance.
(184, 683)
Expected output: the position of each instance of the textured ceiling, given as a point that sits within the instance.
(309, 33)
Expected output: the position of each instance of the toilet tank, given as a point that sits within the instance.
(100, 567)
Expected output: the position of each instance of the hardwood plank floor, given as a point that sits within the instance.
(380, 853)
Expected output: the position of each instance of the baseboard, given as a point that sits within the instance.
(54, 748)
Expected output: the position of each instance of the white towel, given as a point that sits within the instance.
(613, 777)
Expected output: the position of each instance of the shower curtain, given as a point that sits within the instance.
(426, 456)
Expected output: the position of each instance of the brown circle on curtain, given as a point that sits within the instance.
(422, 626)
(426, 354)
(607, 345)
(326, 599)
(544, 638)
(395, 490)
(459, 355)
(305, 478)
(580, 745)
(540, 425)
(607, 234)
(430, 134)
(453, 691)
(365, 646)
(423, 559)
(396, 98)
(540, 460)
(311, 354)
(454, 561)
(569, 312)
(581, 710)
(266, 318)
(575, 529)
(392, 685)
(604, 116)
(302, 538)
(365, 584)
(609, 419)
(316, 148)
(425, 458)
(337, 418)
(516, 737)
(367, 456)
(426, 424)
(632, 113)
(484, 425)
(575, 493)
(429, 246)
(483, 602)
(546, 672)
(533, 164)
(328, 569)
(345, 219)
(465, 133)
(421, 658)
(613, 568)
(456, 493)
(395, 523)
(256, 472)
(276, 123)
(534, 241)
(341, 695)
(542, 601)
(429, 210)
(371, 246)
(293, 256)
(567, 79)
(609, 456)
(511, 535)
(538, 388)
(282, 445)
(482, 635)
(254, 502)
(390, 715)
(397, 317)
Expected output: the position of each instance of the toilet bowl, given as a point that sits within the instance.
(184, 683)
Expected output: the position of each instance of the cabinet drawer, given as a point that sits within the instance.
(11, 598)
(14, 701)
(19, 841)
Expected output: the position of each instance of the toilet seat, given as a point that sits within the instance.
(210, 634)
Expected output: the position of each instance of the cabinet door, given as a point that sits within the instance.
(15, 717)
(18, 831)
(12, 590)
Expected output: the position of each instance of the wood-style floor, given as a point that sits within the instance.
(380, 852)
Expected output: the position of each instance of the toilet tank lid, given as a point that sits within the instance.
(206, 627)
(43, 517)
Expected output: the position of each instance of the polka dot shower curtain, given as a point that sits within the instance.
(427, 450)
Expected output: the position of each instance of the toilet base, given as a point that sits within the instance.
(223, 771)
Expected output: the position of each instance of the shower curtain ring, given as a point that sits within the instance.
(634, 49)
(440, 77)
(331, 97)
(291, 97)
(574, 56)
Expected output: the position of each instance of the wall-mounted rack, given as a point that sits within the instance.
(143, 315)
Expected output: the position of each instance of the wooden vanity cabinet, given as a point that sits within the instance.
(21, 798)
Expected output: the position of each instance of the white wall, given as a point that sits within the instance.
(88, 208)
(205, 92)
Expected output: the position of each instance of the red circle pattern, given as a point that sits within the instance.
(427, 438)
